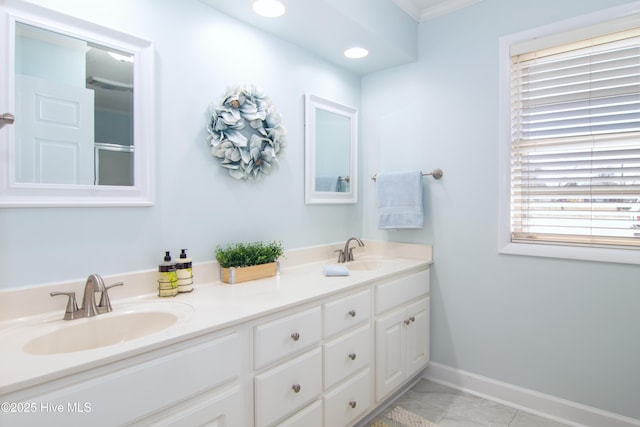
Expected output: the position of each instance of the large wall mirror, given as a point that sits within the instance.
(331, 151)
(82, 97)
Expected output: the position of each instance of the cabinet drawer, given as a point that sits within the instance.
(155, 383)
(344, 313)
(276, 394)
(346, 355)
(222, 408)
(286, 336)
(311, 416)
(402, 290)
(348, 401)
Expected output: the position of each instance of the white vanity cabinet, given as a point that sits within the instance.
(325, 360)
(200, 381)
(401, 330)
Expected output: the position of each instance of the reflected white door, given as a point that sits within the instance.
(54, 132)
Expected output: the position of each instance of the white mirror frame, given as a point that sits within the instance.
(16, 194)
(311, 196)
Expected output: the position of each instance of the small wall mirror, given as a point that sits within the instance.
(82, 97)
(331, 151)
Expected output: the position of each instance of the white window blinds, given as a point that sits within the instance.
(575, 138)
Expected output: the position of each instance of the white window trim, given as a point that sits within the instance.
(505, 246)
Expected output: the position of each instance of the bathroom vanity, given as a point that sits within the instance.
(297, 349)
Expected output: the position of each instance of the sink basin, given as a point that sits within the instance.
(105, 329)
(363, 265)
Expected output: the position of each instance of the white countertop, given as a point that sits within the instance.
(212, 306)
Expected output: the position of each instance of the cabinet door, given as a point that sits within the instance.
(417, 336)
(390, 352)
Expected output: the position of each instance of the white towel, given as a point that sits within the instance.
(400, 200)
(335, 270)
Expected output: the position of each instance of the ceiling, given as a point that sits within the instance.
(422, 10)
(326, 28)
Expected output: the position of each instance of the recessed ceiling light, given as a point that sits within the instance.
(356, 52)
(268, 8)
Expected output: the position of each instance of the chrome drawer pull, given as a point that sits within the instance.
(353, 403)
(296, 388)
(352, 356)
(295, 336)
(352, 313)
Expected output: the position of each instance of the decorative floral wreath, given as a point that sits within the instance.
(246, 151)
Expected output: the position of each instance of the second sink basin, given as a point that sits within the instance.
(363, 265)
(106, 329)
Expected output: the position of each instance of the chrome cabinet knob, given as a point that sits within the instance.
(296, 388)
(352, 313)
(295, 336)
(352, 356)
(412, 318)
(353, 403)
(407, 321)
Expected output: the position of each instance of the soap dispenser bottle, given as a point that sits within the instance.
(167, 278)
(184, 273)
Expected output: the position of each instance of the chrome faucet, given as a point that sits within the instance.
(94, 284)
(89, 307)
(346, 254)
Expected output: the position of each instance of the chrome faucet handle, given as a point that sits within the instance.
(72, 311)
(105, 303)
(341, 256)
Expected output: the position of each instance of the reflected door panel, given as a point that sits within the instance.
(54, 144)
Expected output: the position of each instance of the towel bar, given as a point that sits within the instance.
(436, 173)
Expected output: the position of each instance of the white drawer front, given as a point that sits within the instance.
(349, 401)
(346, 312)
(399, 291)
(286, 336)
(346, 355)
(142, 389)
(275, 390)
(311, 416)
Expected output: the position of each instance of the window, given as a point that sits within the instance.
(574, 160)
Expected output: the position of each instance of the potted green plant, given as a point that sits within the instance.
(240, 262)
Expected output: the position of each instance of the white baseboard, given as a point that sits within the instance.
(555, 408)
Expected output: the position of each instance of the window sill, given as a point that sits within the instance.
(620, 256)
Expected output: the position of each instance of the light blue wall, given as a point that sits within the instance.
(199, 53)
(566, 328)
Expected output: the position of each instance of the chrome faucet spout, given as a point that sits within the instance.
(94, 284)
(348, 252)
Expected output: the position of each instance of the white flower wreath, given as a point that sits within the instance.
(246, 151)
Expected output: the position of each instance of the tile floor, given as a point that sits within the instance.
(452, 408)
